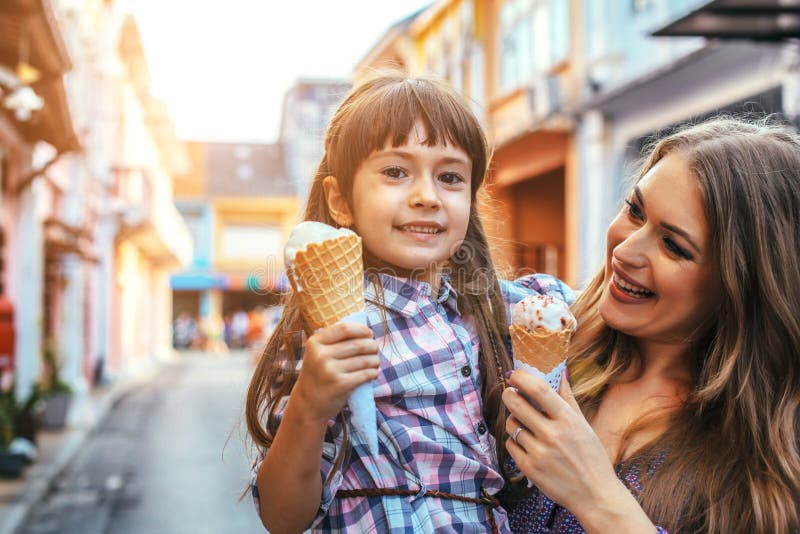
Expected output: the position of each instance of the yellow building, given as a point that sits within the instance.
(240, 209)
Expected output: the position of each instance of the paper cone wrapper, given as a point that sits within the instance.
(328, 281)
(542, 352)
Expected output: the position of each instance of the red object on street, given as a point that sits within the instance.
(7, 336)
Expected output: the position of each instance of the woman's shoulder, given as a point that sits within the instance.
(543, 284)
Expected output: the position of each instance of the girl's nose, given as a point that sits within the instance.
(424, 194)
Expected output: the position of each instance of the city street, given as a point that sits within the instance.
(169, 458)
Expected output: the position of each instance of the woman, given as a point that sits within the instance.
(686, 361)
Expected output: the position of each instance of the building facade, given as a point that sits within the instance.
(90, 230)
(307, 108)
(569, 92)
(240, 208)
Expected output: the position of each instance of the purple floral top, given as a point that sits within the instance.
(538, 514)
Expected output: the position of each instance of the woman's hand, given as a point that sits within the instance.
(336, 360)
(560, 453)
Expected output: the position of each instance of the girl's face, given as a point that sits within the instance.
(411, 204)
(660, 282)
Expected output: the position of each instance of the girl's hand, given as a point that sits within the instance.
(336, 360)
(558, 450)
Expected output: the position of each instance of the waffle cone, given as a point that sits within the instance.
(543, 349)
(328, 280)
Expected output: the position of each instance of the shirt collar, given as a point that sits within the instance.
(404, 295)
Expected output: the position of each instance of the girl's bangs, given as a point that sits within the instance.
(388, 116)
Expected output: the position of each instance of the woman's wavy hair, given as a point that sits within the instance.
(731, 461)
(381, 110)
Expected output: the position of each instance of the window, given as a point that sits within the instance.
(239, 242)
(534, 37)
(642, 5)
(515, 44)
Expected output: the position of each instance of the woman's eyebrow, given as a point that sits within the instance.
(671, 227)
(683, 233)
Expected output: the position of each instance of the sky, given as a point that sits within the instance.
(223, 67)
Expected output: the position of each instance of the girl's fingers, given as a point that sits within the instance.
(351, 381)
(341, 332)
(358, 363)
(353, 347)
(540, 392)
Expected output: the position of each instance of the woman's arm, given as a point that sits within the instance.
(336, 360)
(559, 452)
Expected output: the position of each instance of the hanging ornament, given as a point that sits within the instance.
(23, 102)
(26, 73)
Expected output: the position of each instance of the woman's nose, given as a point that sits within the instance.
(632, 250)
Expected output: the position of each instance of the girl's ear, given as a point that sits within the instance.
(337, 204)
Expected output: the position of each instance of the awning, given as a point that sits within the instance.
(29, 32)
(256, 283)
(197, 281)
(61, 238)
(763, 20)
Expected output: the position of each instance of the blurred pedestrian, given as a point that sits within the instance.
(686, 361)
(240, 327)
(214, 330)
(255, 330)
(183, 331)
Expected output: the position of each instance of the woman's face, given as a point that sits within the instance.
(660, 281)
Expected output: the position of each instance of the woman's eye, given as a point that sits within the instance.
(394, 172)
(451, 178)
(634, 211)
(676, 249)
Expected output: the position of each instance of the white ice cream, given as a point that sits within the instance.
(542, 311)
(309, 232)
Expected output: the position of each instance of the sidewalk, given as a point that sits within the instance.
(57, 448)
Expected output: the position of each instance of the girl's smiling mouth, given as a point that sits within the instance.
(425, 230)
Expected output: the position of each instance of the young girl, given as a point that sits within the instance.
(404, 161)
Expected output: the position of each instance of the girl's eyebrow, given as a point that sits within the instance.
(408, 155)
(671, 227)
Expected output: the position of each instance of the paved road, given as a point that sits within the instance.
(168, 459)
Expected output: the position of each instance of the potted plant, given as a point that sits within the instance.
(28, 415)
(11, 463)
(55, 393)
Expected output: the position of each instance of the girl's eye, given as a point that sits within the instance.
(394, 172)
(634, 211)
(451, 178)
(676, 249)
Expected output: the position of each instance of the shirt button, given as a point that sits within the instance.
(466, 370)
(481, 429)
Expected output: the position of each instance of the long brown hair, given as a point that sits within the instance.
(380, 110)
(731, 450)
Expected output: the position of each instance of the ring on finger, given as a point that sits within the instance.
(515, 434)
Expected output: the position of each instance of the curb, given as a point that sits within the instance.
(37, 486)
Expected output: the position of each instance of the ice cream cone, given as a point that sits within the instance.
(542, 349)
(328, 280)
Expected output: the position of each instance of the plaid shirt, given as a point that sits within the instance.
(431, 430)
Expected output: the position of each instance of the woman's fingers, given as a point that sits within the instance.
(517, 432)
(523, 411)
(538, 391)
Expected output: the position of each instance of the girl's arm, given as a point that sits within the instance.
(336, 360)
(559, 452)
